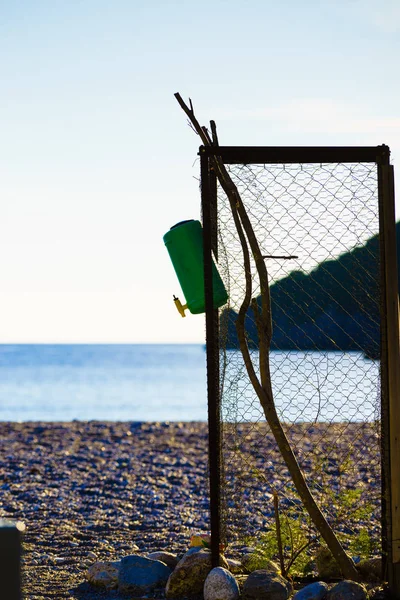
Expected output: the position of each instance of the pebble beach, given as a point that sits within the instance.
(93, 490)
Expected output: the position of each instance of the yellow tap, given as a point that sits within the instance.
(181, 307)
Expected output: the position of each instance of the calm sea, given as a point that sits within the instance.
(168, 383)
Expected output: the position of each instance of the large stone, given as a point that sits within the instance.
(327, 566)
(139, 576)
(314, 591)
(104, 574)
(193, 550)
(347, 590)
(190, 573)
(370, 569)
(220, 584)
(171, 560)
(263, 585)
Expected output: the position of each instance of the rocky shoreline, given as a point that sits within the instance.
(98, 491)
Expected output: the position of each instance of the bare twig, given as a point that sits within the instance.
(280, 257)
(214, 133)
(300, 550)
(205, 138)
(279, 533)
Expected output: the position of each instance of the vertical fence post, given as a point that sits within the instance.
(208, 189)
(390, 380)
(10, 559)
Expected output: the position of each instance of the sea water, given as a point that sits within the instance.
(103, 382)
(159, 382)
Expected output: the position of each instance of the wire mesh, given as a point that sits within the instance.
(317, 225)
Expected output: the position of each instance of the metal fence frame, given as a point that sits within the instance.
(389, 327)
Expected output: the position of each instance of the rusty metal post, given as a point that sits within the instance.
(214, 435)
(390, 374)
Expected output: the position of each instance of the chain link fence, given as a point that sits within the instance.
(317, 225)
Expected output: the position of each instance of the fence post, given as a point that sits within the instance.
(392, 374)
(208, 190)
(10, 559)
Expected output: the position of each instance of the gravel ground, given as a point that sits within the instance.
(94, 490)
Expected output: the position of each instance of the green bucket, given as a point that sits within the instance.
(184, 242)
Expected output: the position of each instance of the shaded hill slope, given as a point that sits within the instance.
(334, 307)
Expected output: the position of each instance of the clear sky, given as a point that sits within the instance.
(97, 161)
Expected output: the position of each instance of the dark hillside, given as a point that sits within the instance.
(334, 307)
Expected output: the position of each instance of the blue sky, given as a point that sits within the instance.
(97, 161)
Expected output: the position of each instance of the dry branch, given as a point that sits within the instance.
(279, 534)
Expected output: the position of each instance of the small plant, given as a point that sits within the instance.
(290, 540)
(347, 507)
(362, 544)
(296, 547)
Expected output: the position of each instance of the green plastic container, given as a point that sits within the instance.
(184, 242)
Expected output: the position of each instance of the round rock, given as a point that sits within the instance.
(220, 584)
(347, 590)
(314, 591)
(263, 585)
(104, 574)
(370, 569)
(139, 576)
(189, 575)
(171, 560)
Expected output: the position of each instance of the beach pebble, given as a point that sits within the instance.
(220, 584)
(89, 491)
